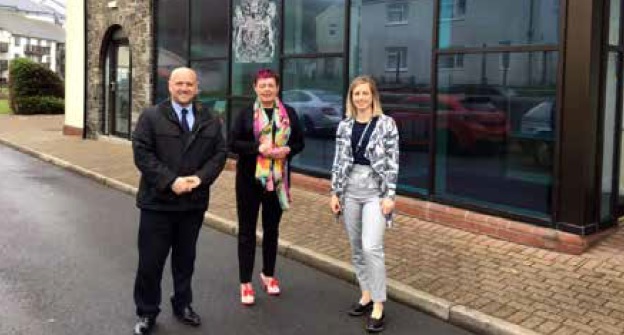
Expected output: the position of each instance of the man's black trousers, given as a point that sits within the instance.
(159, 232)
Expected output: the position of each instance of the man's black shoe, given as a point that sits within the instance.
(359, 309)
(376, 325)
(144, 325)
(188, 316)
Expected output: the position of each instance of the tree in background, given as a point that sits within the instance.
(34, 89)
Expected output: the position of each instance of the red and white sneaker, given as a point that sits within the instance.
(247, 294)
(270, 285)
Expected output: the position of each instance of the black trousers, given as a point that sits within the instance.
(160, 232)
(249, 197)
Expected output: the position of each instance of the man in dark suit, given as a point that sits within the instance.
(179, 149)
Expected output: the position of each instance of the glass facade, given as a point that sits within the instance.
(312, 26)
(395, 49)
(172, 42)
(612, 176)
(494, 130)
(473, 89)
(609, 129)
(313, 87)
(313, 76)
(485, 23)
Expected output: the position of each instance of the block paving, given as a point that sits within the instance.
(545, 291)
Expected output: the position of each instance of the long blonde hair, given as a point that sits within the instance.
(351, 109)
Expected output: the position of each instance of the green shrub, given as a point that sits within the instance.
(29, 79)
(39, 105)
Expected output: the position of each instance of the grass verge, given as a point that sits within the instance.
(4, 107)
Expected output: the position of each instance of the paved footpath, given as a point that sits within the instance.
(478, 282)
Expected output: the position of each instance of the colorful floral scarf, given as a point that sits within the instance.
(273, 173)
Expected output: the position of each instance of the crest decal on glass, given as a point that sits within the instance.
(254, 34)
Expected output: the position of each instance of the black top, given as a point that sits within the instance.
(243, 143)
(359, 137)
(269, 113)
(163, 151)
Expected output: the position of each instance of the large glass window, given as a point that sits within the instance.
(495, 131)
(255, 41)
(614, 22)
(209, 53)
(172, 46)
(608, 133)
(611, 129)
(312, 78)
(313, 87)
(212, 85)
(313, 26)
(398, 57)
(209, 32)
(480, 23)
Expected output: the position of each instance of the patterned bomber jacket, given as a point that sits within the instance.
(382, 151)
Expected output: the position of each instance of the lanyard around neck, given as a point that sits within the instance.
(359, 144)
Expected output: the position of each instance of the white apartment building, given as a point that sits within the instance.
(40, 41)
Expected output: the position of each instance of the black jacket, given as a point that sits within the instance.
(163, 152)
(243, 143)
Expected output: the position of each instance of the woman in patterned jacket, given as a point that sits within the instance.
(364, 177)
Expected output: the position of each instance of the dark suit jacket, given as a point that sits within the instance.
(243, 143)
(163, 152)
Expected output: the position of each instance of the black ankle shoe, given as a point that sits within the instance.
(376, 325)
(359, 309)
(144, 325)
(188, 316)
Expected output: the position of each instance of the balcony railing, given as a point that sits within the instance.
(36, 50)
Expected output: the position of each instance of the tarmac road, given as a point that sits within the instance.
(68, 257)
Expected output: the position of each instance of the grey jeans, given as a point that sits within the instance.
(365, 226)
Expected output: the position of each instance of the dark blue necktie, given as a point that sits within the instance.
(184, 122)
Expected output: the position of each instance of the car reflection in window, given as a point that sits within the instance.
(319, 111)
(470, 124)
(536, 132)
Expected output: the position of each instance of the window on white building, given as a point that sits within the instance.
(396, 13)
(17, 41)
(396, 59)
(451, 62)
(333, 28)
(452, 9)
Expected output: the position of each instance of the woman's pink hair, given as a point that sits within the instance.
(265, 74)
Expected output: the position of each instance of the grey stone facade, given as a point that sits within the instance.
(135, 20)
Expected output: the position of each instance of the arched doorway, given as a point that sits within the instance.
(117, 82)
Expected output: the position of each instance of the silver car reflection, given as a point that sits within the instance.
(536, 132)
(319, 111)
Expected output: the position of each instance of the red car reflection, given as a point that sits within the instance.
(468, 121)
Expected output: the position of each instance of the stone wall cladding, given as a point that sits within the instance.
(135, 19)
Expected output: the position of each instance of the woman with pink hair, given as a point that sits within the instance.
(265, 135)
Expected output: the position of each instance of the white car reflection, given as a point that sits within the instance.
(319, 111)
(536, 132)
